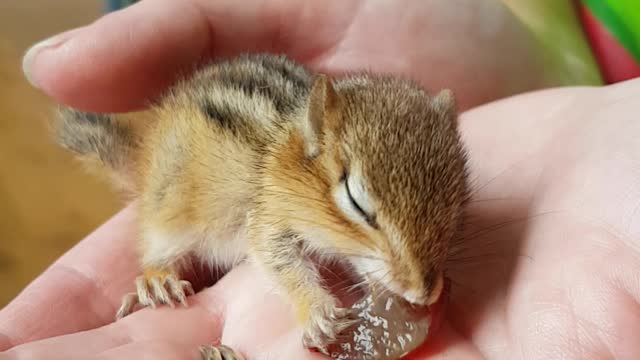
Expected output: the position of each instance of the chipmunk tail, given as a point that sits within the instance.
(102, 142)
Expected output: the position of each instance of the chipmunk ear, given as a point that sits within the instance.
(444, 103)
(323, 101)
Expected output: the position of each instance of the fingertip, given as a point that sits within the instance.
(123, 60)
(32, 54)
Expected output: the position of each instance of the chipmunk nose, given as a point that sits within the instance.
(428, 297)
(427, 293)
(421, 298)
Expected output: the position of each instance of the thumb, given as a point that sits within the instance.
(129, 57)
(122, 59)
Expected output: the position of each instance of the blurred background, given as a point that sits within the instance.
(47, 202)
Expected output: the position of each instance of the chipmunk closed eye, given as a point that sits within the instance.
(259, 158)
(346, 198)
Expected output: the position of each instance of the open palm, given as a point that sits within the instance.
(551, 258)
(548, 264)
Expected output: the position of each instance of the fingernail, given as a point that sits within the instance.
(32, 54)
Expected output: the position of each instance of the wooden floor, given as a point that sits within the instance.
(47, 203)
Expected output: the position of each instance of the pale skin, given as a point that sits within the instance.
(553, 275)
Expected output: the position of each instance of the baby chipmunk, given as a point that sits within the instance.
(259, 158)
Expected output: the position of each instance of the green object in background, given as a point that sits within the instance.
(622, 19)
(566, 50)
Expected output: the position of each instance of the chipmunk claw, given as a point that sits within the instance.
(153, 290)
(220, 352)
(325, 327)
(129, 302)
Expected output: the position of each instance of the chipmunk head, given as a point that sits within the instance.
(379, 180)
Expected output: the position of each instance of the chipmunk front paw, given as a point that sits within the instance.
(153, 288)
(325, 324)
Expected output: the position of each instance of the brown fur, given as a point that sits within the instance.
(258, 148)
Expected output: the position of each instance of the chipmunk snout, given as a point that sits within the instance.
(417, 287)
(425, 295)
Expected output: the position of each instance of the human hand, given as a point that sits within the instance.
(548, 266)
(491, 314)
(67, 312)
(478, 48)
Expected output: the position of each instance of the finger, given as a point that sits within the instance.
(79, 291)
(192, 327)
(150, 349)
(126, 58)
(132, 53)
